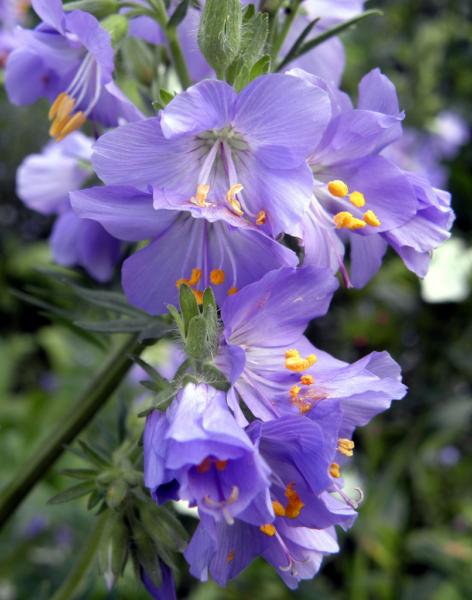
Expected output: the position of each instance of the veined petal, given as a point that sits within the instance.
(51, 12)
(377, 93)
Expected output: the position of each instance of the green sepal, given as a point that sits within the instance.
(94, 499)
(117, 27)
(261, 67)
(145, 554)
(116, 493)
(214, 377)
(94, 454)
(72, 493)
(113, 549)
(82, 474)
(165, 530)
(188, 305)
(196, 344)
(174, 313)
(98, 8)
(219, 35)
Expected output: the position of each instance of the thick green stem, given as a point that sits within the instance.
(178, 59)
(71, 586)
(94, 396)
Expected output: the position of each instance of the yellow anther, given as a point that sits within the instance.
(230, 556)
(198, 296)
(268, 529)
(344, 219)
(338, 188)
(294, 391)
(279, 510)
(295, 503)
(232, 291)
(67, 125)
(261, 217)
(292, 353)
(335, 470)
(195, 276)
(307, 380)
(221, 465)
(65, 108)
(231, 198)
(217, 276)
(54, 109)
(345, 446)
(201, 195)
(371, 218)
(205, 465)
(357, 198)
(297, 363)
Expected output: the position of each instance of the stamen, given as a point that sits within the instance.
(294, 362)
(357, 198)
(345, 446)
(205, 465)
(338, 188)
(371, 218)
(54, 109)
(65, 107)
(232, 291)
(268, 529)
(345, 219)
(294, 391)
(217, 276)
(335, 470)
(198, 296)
(261, 217)
(221, 465)
(231, 198)
(195, 277)
(201, 195)
(279, 510)
(230, 556)
(72, 124)
(307, 380)
(295, 504)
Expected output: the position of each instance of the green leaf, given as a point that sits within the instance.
(165, 97)
(98, 8)
(219, 35)
(188, 305)
(179, 14)
(83, 474)
(261, 67)
(326, 35)
(117, 27)
(164, 528)
(292, 53)
(94, 454)
(94, 499)
(115, 326)
(149, 370)
(72, 493)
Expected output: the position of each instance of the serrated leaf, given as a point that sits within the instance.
(72, 493)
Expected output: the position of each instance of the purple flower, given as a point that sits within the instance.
(275, 370)
(223, 551)
(68, 59)
(43, 184)
(12, 13)
(197, 452)
(361, 197)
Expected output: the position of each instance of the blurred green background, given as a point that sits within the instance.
(413, 538)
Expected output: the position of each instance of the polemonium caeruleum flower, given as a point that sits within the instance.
(225, 169)
(43, 184)
(197, 452)
(68, 59)
(364, 199)
(282, 372)
(301, 453)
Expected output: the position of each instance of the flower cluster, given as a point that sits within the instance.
(262, 192)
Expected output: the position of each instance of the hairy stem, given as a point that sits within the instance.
(90, 401)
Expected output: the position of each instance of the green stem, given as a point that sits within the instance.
(93, 397)
(71, 586)
(280, 39)
(178, 59)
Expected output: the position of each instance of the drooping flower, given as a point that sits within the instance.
(275, 370)
(197, 452)
(361, 197)
(43, 184)
(68, 59)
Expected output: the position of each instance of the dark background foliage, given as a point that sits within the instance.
(413, 536)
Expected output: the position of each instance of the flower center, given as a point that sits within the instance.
(345, 219)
